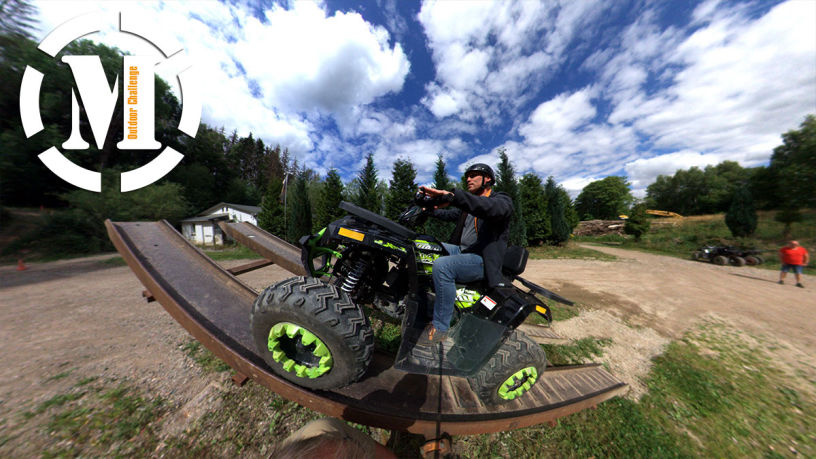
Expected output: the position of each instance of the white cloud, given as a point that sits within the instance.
(643, 172)
(559, 116)
(306, 64)
(491, 52)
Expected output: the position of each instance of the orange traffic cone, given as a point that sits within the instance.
(21, 265)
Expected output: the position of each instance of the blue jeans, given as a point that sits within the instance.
(447, 271)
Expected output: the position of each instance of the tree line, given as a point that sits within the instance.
(303, 203)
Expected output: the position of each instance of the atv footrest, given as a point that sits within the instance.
(417, 355)
(471, 341)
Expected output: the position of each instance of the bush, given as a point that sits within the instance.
(638, 223)
(741, 217)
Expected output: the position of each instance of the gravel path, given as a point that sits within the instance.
(86, 317)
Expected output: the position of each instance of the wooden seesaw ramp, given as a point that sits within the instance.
(214, 306)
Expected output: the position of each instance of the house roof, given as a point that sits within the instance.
(206, 218)
(252, 210)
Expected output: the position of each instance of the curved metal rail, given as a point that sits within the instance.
(213, 305)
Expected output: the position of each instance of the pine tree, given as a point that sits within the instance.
(741, 217)
(401, 189)
(440, 229)
(506, 182)
(560, 228)
(534, 208)
(638, 222)
(327, 208)
(368, 196)
(270, 217)
(300, 210)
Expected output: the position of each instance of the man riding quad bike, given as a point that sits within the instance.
(315, 331)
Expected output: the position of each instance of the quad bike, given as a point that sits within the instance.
(315, 332)
(721, 255)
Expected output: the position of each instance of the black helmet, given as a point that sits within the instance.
(484, 169)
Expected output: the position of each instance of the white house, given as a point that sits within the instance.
(203, 229)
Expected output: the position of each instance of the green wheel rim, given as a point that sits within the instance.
(519, 383)
(285, 335)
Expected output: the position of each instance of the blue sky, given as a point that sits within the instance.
(575, 89)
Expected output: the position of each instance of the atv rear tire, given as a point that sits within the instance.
(760, 260)
(510, 372)
(311, 333)
(738, 261)
(751, 260)
(720, 260)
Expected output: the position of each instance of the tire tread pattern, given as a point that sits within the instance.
(329, 306)
(517, 352)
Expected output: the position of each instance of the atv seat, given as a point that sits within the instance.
(369, 216)
(515, 260)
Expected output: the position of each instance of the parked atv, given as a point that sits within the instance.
(315, 332)
(721, 255)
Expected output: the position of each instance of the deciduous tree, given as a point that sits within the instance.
(604, 199)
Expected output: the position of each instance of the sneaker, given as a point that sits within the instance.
(781, 282)
(798, 284)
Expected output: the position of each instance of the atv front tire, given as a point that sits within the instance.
(510, 372)
(720, 260)
(311, 333)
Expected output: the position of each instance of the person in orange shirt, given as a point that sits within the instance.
(794, 257)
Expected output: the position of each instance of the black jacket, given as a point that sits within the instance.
(493, 227)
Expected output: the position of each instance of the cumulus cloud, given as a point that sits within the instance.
(491, 51)
(723, 89)
(303, 64)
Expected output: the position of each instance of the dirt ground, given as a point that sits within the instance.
(87, 317)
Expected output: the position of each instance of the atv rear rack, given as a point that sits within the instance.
(214, 306)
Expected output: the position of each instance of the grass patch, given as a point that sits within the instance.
(711, 394)
(728, 397)
(388, 337)
(115, 261)
(94, 419)
(203, 357)
(249, 421)
(231, 252)
(58, 376)
(683, 238)
(576, 352)
(109, 422)
(570, 251)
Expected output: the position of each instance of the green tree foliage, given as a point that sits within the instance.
(638, 222)
(16, 18)
(438, 228)
(788, 216)
(271, 216)
(741, 217)
(327, 208)
(401, 189)
(559, 225)
(80, 228)
(698, 191)
(793, 166)
(534, 209)
(604, 199)
(368, 195)
(300, 210)
(506, 182)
